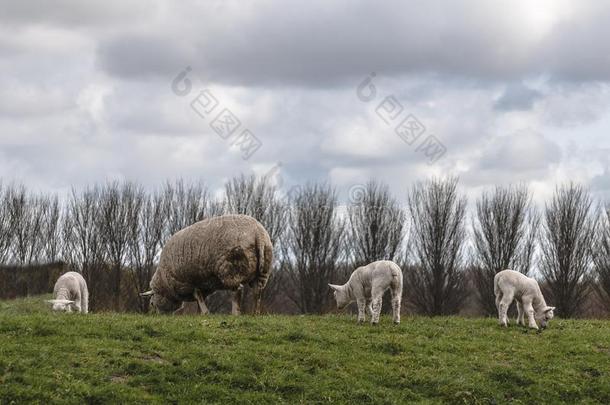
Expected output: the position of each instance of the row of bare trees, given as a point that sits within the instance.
(113, 233)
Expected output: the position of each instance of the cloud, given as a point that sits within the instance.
(508, 88)
(517, 96)
(523, 156)
(319, 43)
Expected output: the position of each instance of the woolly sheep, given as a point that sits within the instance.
(70, 293)
(219, 253)
(511, 285)
(366, 286)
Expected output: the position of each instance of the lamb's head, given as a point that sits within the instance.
(546, 316)
(341, 295)
(61, 305)
(159, 303)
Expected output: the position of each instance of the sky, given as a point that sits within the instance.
(495, 92)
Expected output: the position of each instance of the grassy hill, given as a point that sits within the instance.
(103, 358)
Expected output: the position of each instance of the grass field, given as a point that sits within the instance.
(111, 358)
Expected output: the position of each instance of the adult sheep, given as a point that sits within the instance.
(511, 285)
(219, 253)
(70, 292)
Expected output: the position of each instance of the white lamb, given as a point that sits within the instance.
(511, 285)
(70, 293)
(366, 286)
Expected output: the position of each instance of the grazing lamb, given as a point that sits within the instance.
(70, 293)
(511, 285)
(366, 286)
(219, 253)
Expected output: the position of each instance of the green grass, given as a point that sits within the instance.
(113, 358)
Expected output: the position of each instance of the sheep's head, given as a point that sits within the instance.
(341, 296)
(61, 305)
(546, 316)
(159, 303)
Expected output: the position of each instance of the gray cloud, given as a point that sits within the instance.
(517, 96)
(508, 88)
(319, 43)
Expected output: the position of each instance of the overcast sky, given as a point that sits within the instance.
(511, 91)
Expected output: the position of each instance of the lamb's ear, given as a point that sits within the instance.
(147, 293)
(64, 302)
(334, 287)
(549, 309)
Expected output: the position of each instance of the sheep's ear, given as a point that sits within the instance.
(147, 293)
(334, 287)
(549, 309)
(64, 302)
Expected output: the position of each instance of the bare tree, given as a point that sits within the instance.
(83, 248)
(6, 225)
(313, 247)
(568, 235)
(258, 197)
(27, 216)
(376, 225)
(505, 229)
(118, 208)
(188, 203)
(51, 230)
(601, 259)
(146, 231)
(436, 284)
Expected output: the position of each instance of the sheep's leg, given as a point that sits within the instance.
(520, 320)
(505, 302)
(181, 310)
(529, 311)
(395, 306)
(203, 309)
(258, 294)
(258, 298)
(361, 309)
(236, 300)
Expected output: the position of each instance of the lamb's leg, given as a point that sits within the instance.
(236, 301)
(505, 302)
(77, 302)
(203, 309)
(396, 306)
(376, 304)
(361, 302)
(498, 300)
(369, 308)
(520, 320)
(84, 300)
(529, 311)
(85, 303)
